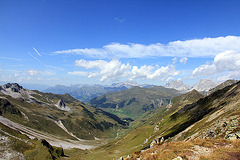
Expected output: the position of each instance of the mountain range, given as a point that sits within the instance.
(162, 123)
(194, 126)
(85, 92)
(204, 85)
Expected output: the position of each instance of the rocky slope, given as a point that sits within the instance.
(222, 85)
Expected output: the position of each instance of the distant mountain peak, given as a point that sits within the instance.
(178, 85)
(127, 84)
(205, 85)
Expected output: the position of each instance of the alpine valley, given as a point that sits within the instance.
(122, 121)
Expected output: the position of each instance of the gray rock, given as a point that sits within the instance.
(232, 136)
(159, 140)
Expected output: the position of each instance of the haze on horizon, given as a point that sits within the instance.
(53, 42)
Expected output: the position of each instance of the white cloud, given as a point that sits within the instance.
(206, 47)
(78, 73)
(114, 70)
(121, 20)
(16, 74)
(33, 72)
(142, 72)
(228, 61)
(230, 75)
(47, 73)
(183, 60)
(174, 60)
(169, 79)
(90, 64)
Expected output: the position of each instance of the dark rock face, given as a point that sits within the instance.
(55, 152)
(14, 87)
(61, 104)
(7, 107)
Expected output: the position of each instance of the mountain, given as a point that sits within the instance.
(204, 125)
(84, 92)
(135, 101)
(178, 85)
(128, 84)
(205, 85)
(166, 124)
(222, 85)
(184, 99)
(60, 119)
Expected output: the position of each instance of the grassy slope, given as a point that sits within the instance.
(134, 138)
(135, 101)
(83, 121)
(173, 121)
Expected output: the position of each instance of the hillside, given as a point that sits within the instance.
(55, 117)
(222, 85)
(134, 102)
(213, 117)
(192, 125)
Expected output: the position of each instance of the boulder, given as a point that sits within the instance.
(232, 136)
(178, 158)
(159, 140)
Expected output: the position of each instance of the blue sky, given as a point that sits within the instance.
(104, 41)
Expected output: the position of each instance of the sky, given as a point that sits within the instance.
(69, 42)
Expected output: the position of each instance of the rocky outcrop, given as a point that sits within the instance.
(55, 152)
(61, 105)
(6, 151)
(157, 141)
(178, 158)
(227, 128)
(13, 86)
(16, 91)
